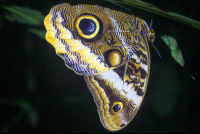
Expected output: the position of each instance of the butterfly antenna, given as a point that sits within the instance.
(151, 25)
(151, 22)
(151, 41)
(156, 49)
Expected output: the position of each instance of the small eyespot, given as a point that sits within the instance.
(114, 58)
(87, 26)
(117, 107)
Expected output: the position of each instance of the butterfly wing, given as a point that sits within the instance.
(118, 93)
(91, 39)
(86, 53)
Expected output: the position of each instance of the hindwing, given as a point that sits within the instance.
(118, 93)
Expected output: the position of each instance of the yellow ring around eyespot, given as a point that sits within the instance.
(91, 18)
(114, 58)
(121, 105)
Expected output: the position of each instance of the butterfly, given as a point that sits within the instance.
(110, 49)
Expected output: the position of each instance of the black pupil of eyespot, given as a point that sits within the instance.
(116, 108)
(87, 26)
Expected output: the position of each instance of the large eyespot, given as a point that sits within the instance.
(87, 26)
(114, 58)
(117, 107)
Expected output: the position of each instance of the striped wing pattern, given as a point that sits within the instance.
(126, 84)
(118, 91)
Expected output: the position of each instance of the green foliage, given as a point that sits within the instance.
(175, 50)
(24, 15)
(39, 32)
(151, 8)
(26, 110)
(34, 19)
(27, 16)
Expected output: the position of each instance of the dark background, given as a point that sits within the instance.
(40, 94)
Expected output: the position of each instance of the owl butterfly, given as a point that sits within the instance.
(110, 48)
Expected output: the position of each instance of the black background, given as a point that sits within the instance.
(58, 100)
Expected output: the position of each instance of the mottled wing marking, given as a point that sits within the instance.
(130, 89)
(125, 83)
(86, 57)
(77, 56)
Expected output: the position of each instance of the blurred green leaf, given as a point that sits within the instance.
(24, 15)
(192, 77)
(38, 32)
(156, 10)
(175, 50)
(26, 109)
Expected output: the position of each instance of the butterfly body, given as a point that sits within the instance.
(110, 49)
